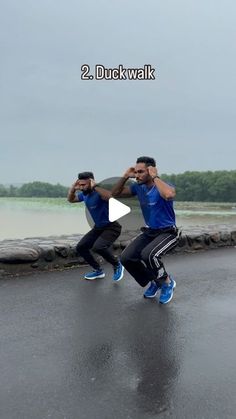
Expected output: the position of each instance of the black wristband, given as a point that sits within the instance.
(155, 177)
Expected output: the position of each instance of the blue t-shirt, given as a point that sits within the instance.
(157, 212)
(97, 207)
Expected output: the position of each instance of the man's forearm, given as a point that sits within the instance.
(166, 191)
(71, 194)
(118, 187)
(104, 194)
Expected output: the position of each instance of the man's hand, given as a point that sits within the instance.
(166, 191)
(71, 193)
(152, 171)
(92, 183)
(75, 185)
(129, 173)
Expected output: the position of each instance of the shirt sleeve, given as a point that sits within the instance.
(79, 196)
(133, 188)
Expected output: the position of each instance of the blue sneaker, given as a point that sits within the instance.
(152, 290)
(167, 291)
(95, 274)
(118, 272)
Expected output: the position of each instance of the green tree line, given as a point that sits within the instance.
(218, 186)
(34, 189)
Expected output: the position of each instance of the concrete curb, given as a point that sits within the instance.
(49, 253)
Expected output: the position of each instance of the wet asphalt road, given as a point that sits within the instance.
(74, 349)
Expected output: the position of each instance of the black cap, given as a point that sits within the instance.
(85, 175)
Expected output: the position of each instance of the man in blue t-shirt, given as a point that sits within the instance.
(142, 258)
(104, 232)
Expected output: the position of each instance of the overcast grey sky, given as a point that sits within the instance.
(53, 124)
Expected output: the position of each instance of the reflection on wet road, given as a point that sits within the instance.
(76, 349)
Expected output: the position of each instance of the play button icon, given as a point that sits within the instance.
(126, 209)
(116, 209)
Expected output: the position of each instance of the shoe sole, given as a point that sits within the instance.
(166, 302)
(151, 296)
(121, 276)
(95, 277)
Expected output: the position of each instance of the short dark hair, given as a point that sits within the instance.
(149, 161)
(85, 175)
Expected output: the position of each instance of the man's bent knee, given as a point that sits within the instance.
(80, 247)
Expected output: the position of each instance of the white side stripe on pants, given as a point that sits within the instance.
(161, 250)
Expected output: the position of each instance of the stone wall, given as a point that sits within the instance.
(38, 254)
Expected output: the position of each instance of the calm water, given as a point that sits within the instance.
(34, 217)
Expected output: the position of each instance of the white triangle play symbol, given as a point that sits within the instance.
(116, 209)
